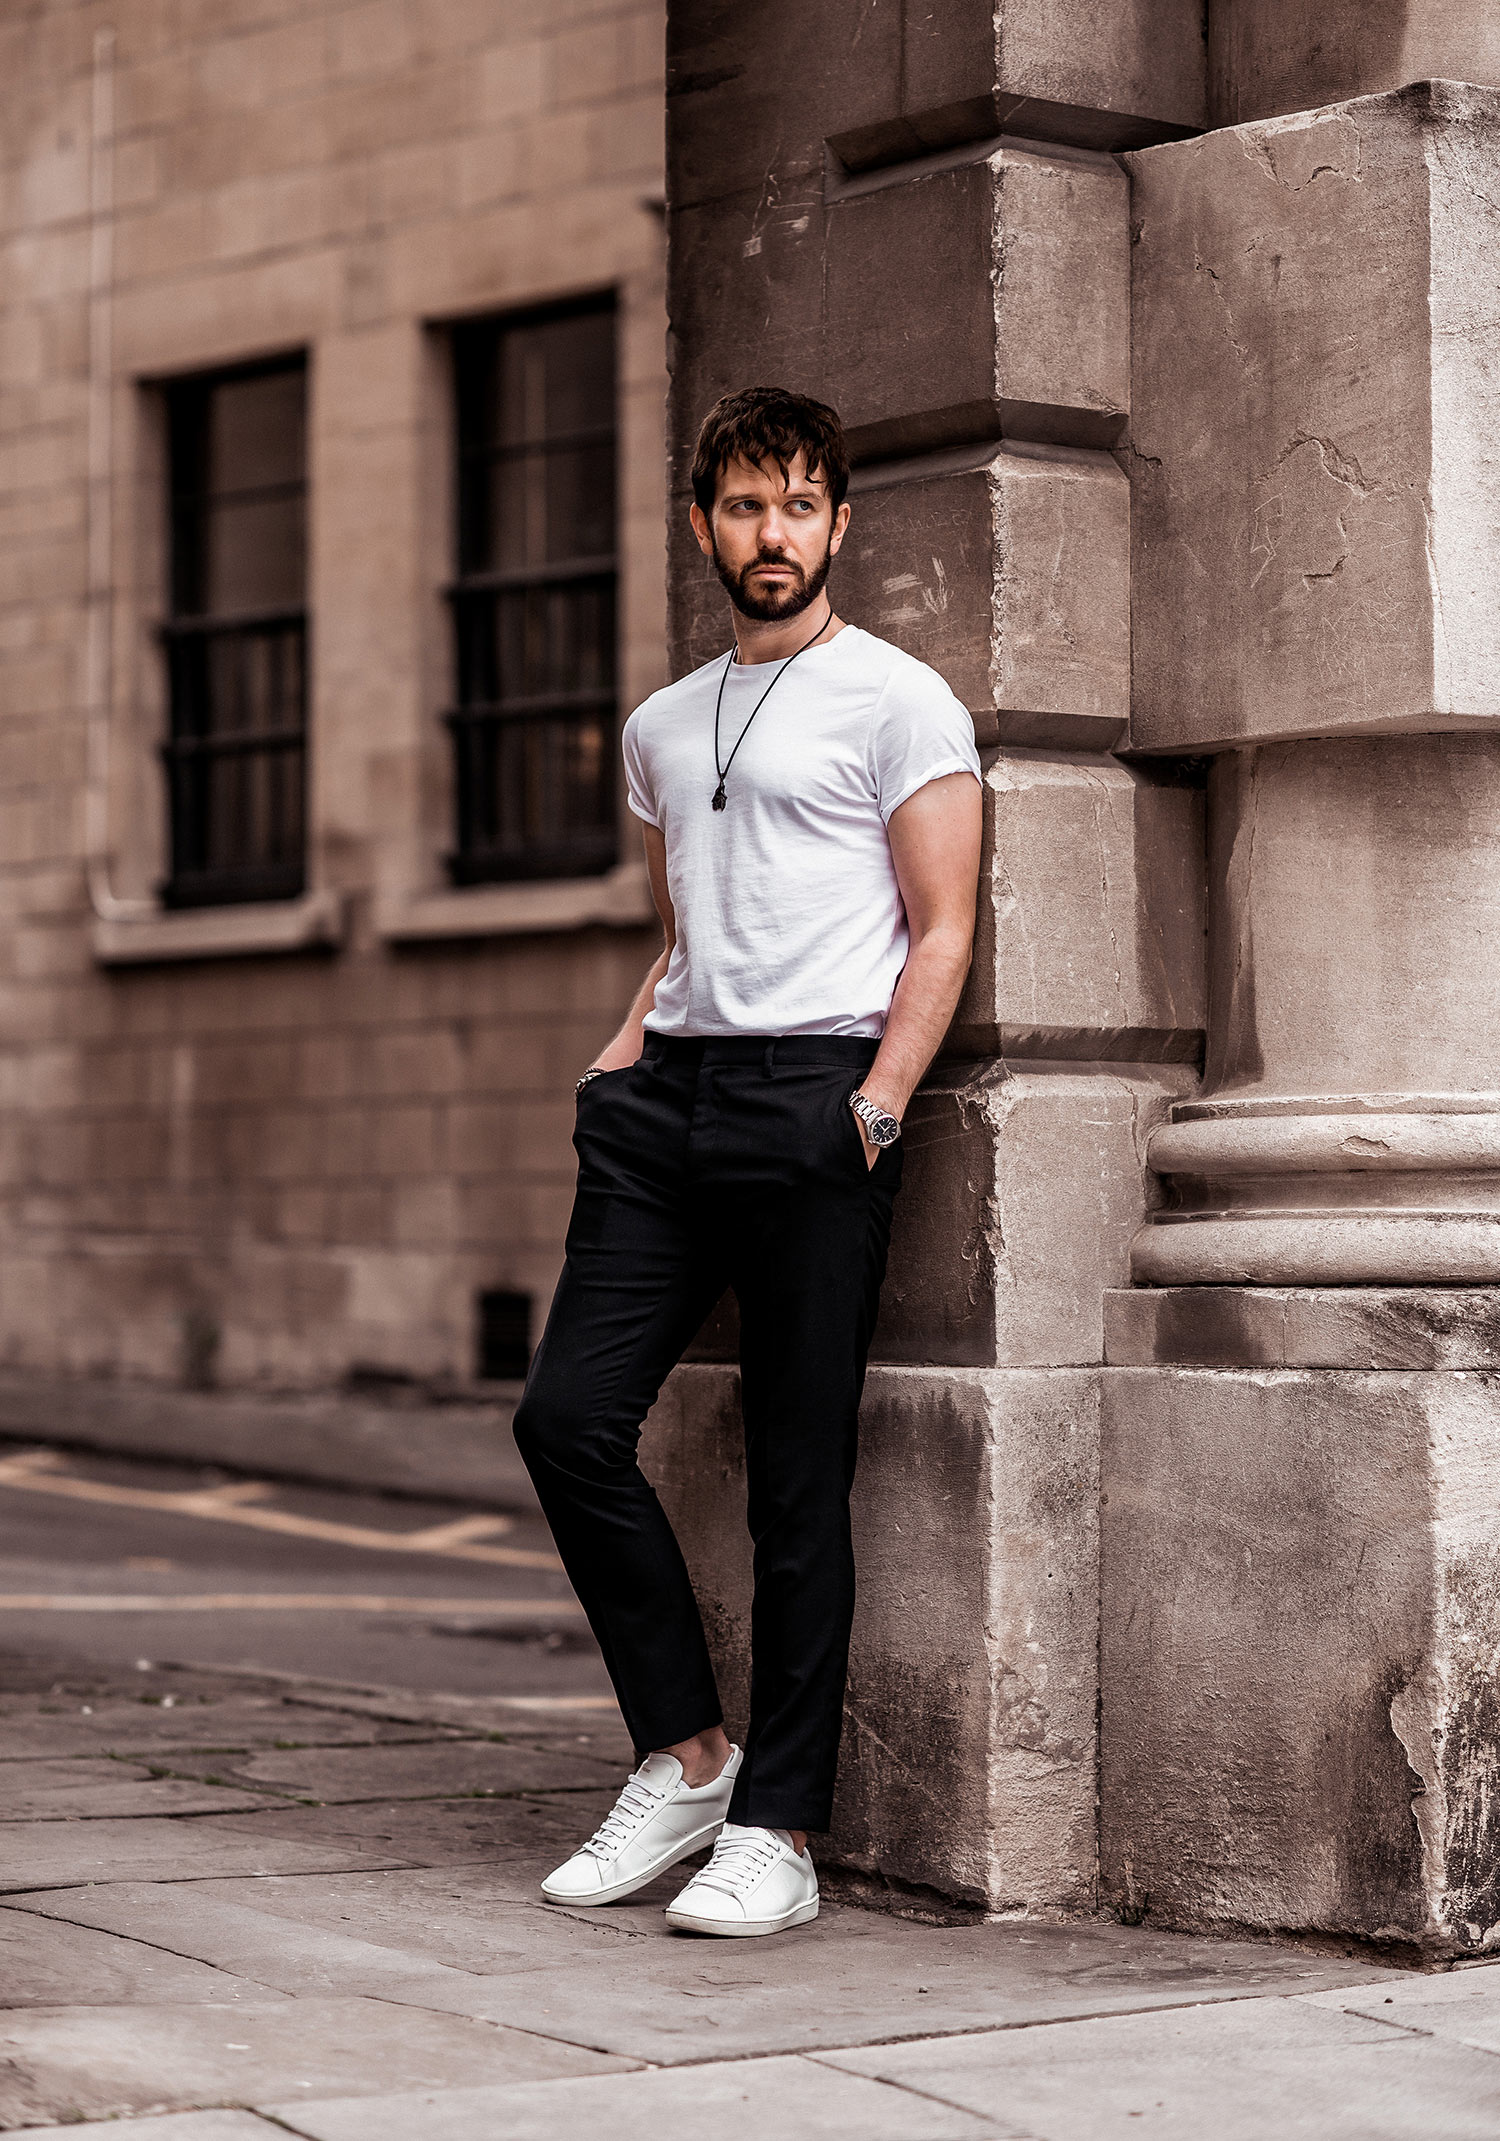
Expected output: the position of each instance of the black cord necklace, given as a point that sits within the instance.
(720, 799)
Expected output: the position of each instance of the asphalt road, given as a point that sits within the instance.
(113, 1561)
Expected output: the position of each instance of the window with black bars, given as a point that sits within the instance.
(534, 599)
(236, 636)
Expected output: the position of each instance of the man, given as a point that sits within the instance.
(811, 814)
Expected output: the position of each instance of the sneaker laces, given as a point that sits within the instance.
(739, 1861)
(630, 1813)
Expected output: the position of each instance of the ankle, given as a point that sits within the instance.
(702, 1757)
(799, 1840)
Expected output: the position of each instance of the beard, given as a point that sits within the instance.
(776, 604)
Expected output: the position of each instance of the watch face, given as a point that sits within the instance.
(884, 1130)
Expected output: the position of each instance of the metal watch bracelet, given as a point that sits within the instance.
(596, 1072)
(881, 1127)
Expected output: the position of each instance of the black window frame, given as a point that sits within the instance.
(508, 831)
(249, 844)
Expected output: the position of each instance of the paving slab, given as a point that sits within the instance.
(65, 1854)
(759, 2100)
(1240, 2072)
(85, 1790)
(469, 1917)
(428, 1769)
(176, 2126)
(49, 1963)
(673, 1999)
(592, 1722)
(101, 2061)
(261, 1933)
(41, 1731)
(1463, 2005)
(853, 1978)
(519, 1839)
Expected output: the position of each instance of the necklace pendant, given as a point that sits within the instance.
(720, 799)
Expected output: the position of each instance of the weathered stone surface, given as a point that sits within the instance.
(36, 1729)
(1313, 530)
(1239, 2072)
(1022, 1192)
(1299, 1626)
(117, 2060)
(175, 2126)
(55, 1854)
(1349, 1129)
(775, 2100)
(73, 1791)
(463, 1769)
(1008, 271)
(971, 295)
(45, 1964)
(968, 1759)
(1090, 938)
(882, 85)
(1303, 1327)
(521, 1839)
(377, 1939)
(1266, 56)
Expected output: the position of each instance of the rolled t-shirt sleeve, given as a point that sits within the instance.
(637, 787)
(918, 732)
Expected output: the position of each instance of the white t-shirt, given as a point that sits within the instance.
(789, 917)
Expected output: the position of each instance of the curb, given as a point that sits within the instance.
(461, 1451)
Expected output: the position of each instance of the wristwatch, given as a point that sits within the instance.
(880, 1128)
(596, 1072)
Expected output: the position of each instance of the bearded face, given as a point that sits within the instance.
(772, 601)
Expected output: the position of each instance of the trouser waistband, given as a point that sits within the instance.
(858, 1051)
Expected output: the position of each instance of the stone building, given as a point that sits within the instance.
(1169, 350)
(1167, 343)
(331, 377)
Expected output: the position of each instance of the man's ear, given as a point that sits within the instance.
(701, 529)
(840, 523)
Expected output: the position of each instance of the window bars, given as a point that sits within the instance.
(533, 603)
(236, 637)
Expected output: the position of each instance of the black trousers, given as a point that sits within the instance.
(711, 1164)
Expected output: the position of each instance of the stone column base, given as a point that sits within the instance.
(969, 1735)
(1300, 1584)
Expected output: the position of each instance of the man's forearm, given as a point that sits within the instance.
(921, 1011)
(626, 1045)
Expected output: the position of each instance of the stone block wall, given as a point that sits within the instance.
(1166, 343)
(269, 1147)
(963, 297)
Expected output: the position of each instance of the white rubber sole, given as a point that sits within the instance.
(619, 1889)
(746, 1928)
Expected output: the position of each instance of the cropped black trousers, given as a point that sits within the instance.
(714, 1164)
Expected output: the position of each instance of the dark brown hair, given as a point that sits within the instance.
(770, 424)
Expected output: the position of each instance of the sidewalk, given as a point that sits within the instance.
(232, 1908)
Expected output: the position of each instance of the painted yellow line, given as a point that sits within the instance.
(40, 1472)
(283, 1601)
(555, 1702)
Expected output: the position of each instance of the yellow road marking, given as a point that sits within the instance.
(268, 1601)
(40, 1472)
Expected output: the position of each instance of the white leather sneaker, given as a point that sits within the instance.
(656, 1821)
(754, 1883)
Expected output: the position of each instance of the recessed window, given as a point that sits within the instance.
(534, 598)
(236, 636)
(504, 1336)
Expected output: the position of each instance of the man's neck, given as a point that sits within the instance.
(759, 642)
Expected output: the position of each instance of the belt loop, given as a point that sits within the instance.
(770, 1059)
